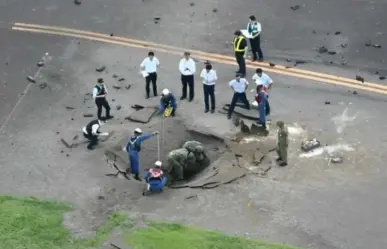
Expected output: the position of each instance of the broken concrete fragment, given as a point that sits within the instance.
(115, 76)
(75, 137)
(42, 86)
(382, 77)
(137, 107)
(354, 92)
(322, 50)
(359, 78)
(31, 79)
(77, 2)
(299, 62)
(214, 10)
(337, 33)
(65, 143)
(377, 46)
(295, 7)
(70, 108)
(118, 107)
(332, 52)
(327, 102)
(271, 64)
(116, 87)
(244, 127)
(288, 60)
(100, 69)
(343, 45)
(121, 79)
(142, 116)
(236, 120)
(191, 4)
(87, 115)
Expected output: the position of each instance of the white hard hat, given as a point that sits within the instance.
(158, 163)
(165, 91)
(138, 130)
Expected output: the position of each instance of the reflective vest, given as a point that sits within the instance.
(253, 28)
(100, 90)
(237, 44)
(155, 173)
(133, 145)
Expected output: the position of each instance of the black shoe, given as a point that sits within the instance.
(205, 111)
(90, 148)
(212, 110)
(190, 100)
(283, 164)
(137, 177)
(109, 117)
(260, 60)
(278, 159)
(228, 117)
(182, 97)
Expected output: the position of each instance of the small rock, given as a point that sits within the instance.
(295, 7)
(118, 107)
(111, 34)
(343, 45)
(100, 69)
(377, 46)
(57, 132)
(61, 151)
(332, 52)
(101, 197)
(327, 102)
(113, 100)
(67, 155)
(214, 10)
(70, 108)
(322, 50)
(382, 77)
(75, 137)
(354, 92)
(72, 119)
(31, 79)
(115, 76)
(377, 73)
(191, 197)
(191, 4)
(156, 20)
(314, 32)
(299, 62)
(272, 64)
(368, 44)
(337, 33)
(42, 86)
(116, 87)
(77, 2)
(128, 87)
(87, 115)
(121, 79)
(288, 60)
(359, 78)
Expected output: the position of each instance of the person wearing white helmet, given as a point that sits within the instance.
(133, 147)
(167, 100)
(155, 178)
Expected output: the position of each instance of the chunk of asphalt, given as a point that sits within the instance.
(42, 86)
(382, 77)
(337, 33)
(322, 50)
(118, 107)
(327, 102)
(87, 115)
(31, 79)
(116, 87)
(359, 78)
(121, 79)
(70, 108)
(100, 69)
(295, 7)
(128, 87)
(40, 64)
(332, 52)
(65, 143)
(271, 64)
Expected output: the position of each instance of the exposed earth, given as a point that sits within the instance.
(313, 202)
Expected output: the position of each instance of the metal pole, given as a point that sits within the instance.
(158, 147)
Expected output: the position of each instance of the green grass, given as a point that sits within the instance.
(28, 223)
(175, 236)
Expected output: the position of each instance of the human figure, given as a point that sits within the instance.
(261, 98)
(167, 100)
(155, 178)
(262, 78)
(282, 144)
(240, 49)
(209, 79)
(91, 132)
(239, 86)
(177, 160)
(187, 69)
(99, 95)
(133, 147)
(254, 28)
(149, 65)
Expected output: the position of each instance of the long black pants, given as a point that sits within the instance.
(93, 140)
(187, 80)
(152, 77)
(239, 56)
(241, 97)
(256, 48)
(102, 102)
(209, 94)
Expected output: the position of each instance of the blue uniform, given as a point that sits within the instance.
(168, 100)
(156, 182)
(133, 148)
(262, 107)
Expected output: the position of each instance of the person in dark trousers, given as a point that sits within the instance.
(187, 69)
(209, 79)
(254, 28)
(240, 49)
(91, 132)
(239, 86)
(263, 106)
(99, 95)
(149, 66)
(167, 100)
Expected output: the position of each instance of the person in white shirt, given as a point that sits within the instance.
(187, 69)
(239, 86)
(150, 65)
(254, 28)
(91, 132)
(99, 95)
(209, 78)
(261, 78)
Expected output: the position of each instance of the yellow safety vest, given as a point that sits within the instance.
(237, 44)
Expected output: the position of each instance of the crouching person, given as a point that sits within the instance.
(168, 103)
(155, 179)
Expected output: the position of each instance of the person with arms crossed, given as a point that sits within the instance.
(149, 66)
(239, 86)
(209, 79)
(187, 69)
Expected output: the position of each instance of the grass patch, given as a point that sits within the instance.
(34, 224)
(161, 235)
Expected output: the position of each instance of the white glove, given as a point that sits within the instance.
(104, 134)
(123, 149)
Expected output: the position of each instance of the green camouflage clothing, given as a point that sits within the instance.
(282, 144)
(176, 162)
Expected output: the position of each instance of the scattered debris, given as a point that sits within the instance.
(382, 77)
(308, 145)
(70, 108)
(359, 78)
(332, 52)
(137, 107)
(337, 33)
(288, 60)
(67, 155)
(343, 45)
(40, 64)
(121, 79)
(57, 132)
(87, 115)
(314, 32)
(191, 197)
(128, 87)
(327, 102)
(42, 86)
(299, 62)
(370, 44)
(156, 19)
(118, 107)
(322, 50)
(77, 2)
(335, 159)
(271, 64)
(115, 76)
(116, 87)
(295, 7)
(214, 10)
(101, 197)
(100, 69)
(191, 4)
(377, 46)
(65, 143)
(377, 73)
(236, 120)
(75, 137)
(113, 100)
(244, 127)
(354, 92)
(111, 34)
(31, 79)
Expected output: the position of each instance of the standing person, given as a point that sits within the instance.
(149, 65)
(91, 132)
(240, 49)
(239, 86)
(209, 79)
(261, 99)
(262, 78)
(282, 144)
(187, 69)
(99, 95)
(133, 147)
(254, 28)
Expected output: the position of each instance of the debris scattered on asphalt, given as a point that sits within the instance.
(75, 137)
(359, 78)
(337, 33)
(40, 64)
(62, 151)
(332, 52)
(121, 79)
(382, 77)
(308, 145)
(288, 60)
(128, 87)
(288, 67)
(299, 62)
(377, 73)
(42, 86)
(343, 45)
(336, 159)
(113, 100)
(370, 44)
(70, 108)
(57, 132)
(314, 32)
(87, 115)
(295, 7)
(236, 120)
(377, 46)
(214, 10)
(115, 76)
(65, 143)
(137, 107)
(322, 50)
(100, 69)
(354, 92)
(327, 102)
(67, 155)
(156, 19)
(191, 197)
(244, 127)
(77, 2)
(272, 64)
(116, 87)
(31, 79)
(118, 107)
(101, 197)
(191, 4)
(111, 34)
